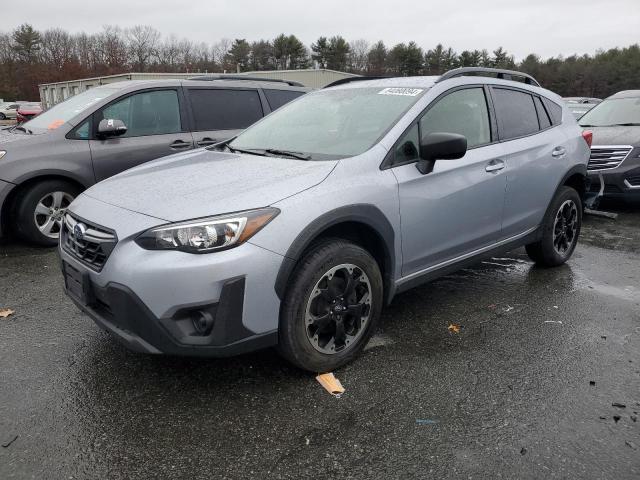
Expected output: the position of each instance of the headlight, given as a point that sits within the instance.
(2, 153)
(208, 234)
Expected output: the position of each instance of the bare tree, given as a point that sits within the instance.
(113, 48)
(142, 42)
(169, 53)
(358, 55)
(185, 54)
(57, 47)
(220, 51)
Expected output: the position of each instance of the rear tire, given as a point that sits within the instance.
(40, 208)
(331, 307)
(560, 230)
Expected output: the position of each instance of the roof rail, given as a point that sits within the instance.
(498, 72)
(245, 77)
(342, 81)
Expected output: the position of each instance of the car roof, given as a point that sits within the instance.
(626, 94)
(427, 82)
(407, 82)
(172, 82)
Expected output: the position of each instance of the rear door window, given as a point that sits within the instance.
(147, 113)
(219, 109)
(516, 113)
(278, 98)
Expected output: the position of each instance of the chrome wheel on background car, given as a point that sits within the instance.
(39, 209)
(565, 227)
(50, 211)
(338, 309)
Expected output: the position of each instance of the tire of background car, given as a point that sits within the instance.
(3, 116)
(39, 209)
(325, 319)
(560, 230)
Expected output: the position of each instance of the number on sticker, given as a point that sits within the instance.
(409, 92)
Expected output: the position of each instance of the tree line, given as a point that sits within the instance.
(29, 57)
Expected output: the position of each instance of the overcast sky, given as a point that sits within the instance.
(546, 27)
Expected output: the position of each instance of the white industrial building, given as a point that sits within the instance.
(52, 93)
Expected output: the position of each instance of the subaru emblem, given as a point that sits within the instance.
(79, 230)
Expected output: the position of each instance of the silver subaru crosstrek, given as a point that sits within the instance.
(298, 231)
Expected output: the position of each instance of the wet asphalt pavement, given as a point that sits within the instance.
(507, 397)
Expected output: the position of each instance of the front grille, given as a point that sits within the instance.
(607, 157)
(89, 243)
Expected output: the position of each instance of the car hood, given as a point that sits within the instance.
(615, 135)
(204, 183)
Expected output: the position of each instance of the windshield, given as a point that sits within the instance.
(330, 124)
(61, 113)
(615, 111)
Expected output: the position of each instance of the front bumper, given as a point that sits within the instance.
(150, 299)
(118, 310)
(622, 183)
(5, 189)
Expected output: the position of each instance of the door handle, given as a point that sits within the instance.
(558, 152)
(206, 141)
(179, 144)
(494, 166)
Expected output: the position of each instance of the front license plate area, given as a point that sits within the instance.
(77, 283)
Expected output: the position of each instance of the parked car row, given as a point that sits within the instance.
(614, 166)
(49, 160)
(20, 111)
(289, 233)
(296, 232)
(581, 105)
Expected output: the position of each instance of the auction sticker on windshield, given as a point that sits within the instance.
(407, 92)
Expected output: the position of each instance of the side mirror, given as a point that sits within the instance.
(440, 146)
(110, 127)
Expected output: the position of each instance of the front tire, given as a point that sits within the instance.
(3, 116)
(331, 307)
(560, 230)
(40, 210)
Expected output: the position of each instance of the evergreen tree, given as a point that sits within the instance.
(377, 58)
(26, 43)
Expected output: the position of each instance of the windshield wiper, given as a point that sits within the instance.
(627, 124)
(251, 151)
(288, 153)
(25, 130)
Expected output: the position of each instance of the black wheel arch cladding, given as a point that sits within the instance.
(575, 171)
(364, 214)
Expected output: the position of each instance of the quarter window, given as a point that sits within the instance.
(543, 116)
(516, 113)
(408, 148)
(278, 98)
(82, 131)
(147, 113)
(464, 112)
(217, 109)
(555, 111)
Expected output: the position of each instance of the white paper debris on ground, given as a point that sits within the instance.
(5, 312)
(331, 384)
(559, 322)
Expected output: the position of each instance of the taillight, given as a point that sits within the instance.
(588, 137)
